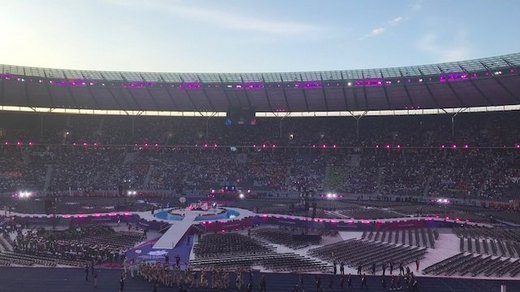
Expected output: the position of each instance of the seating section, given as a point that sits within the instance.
(215, 245)
(276, 262)
(468, 264)
(72, 246)
(504, 242)
(504, 248)
(233, 251)
(5, 244)
(363, 253)
(102, 170)
(119, 240)
(30, 260)
(486, 232)
(420, 237)
(283, 237)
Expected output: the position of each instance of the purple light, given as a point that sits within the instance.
(139, 84)
(59, 83)
(252, 86)
(68, 83)
(453, 77)
(370, 82)
(190, 86)
(307, 85)
(6, 76)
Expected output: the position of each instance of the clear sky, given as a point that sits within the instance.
(253, 36)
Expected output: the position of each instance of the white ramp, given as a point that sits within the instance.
(173, 235)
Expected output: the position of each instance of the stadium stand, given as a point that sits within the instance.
(387, 174)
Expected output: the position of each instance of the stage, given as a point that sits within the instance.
(183, 218)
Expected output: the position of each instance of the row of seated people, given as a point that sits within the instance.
(222, 244)
(496, 247)
(462, 173)
(464, 264)
(21, 170)
(233, 251)
(274, 262)
(285, 236)
(424, 237)
(8, 255)
(483, 129)
(367, 255)
(22, 259)
(78, 243)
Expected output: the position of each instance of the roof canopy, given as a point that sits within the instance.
(486, 82)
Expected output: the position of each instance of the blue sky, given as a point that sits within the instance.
(253, 36)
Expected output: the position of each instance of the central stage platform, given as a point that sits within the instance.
(183, 219)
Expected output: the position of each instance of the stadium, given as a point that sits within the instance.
(390, 179)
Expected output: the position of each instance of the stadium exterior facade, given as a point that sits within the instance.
(487, 84)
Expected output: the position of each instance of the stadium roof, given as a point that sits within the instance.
(487, 83)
